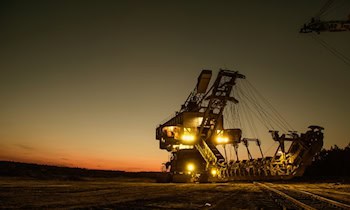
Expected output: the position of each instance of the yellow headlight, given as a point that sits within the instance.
(190, 167)
(188, 137)
(213, 172)
(221, 139)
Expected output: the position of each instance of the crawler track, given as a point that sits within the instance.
(289, 198)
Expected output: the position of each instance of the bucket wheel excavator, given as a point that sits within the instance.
(317, 24)
(195, 133)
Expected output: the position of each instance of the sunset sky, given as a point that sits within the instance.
(85, 83)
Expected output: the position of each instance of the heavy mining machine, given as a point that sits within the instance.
(318, 23)
(318, 26)
(192, 137)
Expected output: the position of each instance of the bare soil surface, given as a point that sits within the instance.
(123, 193)
(334, 191)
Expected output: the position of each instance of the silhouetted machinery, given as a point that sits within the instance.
(193, 135)
(318, 24)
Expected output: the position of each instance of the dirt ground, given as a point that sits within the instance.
(145, 194)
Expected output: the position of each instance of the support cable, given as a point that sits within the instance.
(273, 109)
(325, 7)
(264, 115)
(258, 106)
(333, 7)
(332, 50)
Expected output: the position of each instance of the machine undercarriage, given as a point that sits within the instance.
(193, 135)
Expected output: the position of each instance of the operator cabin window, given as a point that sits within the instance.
(171, 131)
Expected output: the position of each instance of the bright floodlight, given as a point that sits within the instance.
(190, 167)
(213, 172)
(221, 139)
(188, 138)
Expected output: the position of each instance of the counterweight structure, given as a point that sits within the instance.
(193, 134)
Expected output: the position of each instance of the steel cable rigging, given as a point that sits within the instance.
(253, 104)
(324, 9)
(251, 110)
(316, 25)
(331, 49)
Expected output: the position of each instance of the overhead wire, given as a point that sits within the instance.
(232, 116)
(258, 106)
(325, 7)
(237, 121)
(270, 123)
(268, 117)
(249, 120)
(250, 103)
(331, 49)
(266, 151)
(329, 6)
(260, 115)
(253, 108)
(273, 109)
(333, 7)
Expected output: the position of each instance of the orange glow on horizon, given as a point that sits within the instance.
(81, 161)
